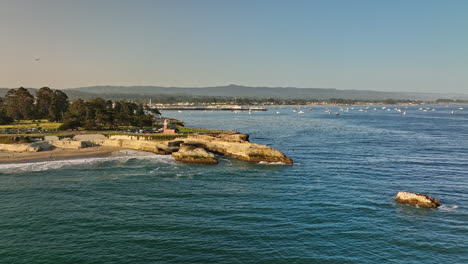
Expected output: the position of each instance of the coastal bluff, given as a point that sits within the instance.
(27, 147)
(199, 148)
(194, 149)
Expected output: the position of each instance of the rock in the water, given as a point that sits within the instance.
(239, 148)
(193, 154)
(417, 199)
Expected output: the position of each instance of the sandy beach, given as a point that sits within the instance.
(57, 153)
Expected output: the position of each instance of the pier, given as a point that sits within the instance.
(211, 108)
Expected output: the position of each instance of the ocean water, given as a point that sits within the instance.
(335, 205)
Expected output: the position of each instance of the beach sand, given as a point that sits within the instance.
(58, 153)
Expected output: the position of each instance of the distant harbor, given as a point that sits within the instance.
(210, 108)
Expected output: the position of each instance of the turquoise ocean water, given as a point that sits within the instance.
(335, 205)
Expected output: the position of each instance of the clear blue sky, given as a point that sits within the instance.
(391, 45)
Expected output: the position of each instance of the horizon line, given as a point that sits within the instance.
(236, 85)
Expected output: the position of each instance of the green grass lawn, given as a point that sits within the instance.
(189, 130)
(23, 138)
(29, 129)
(30, 124)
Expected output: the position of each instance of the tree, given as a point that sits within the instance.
(124, 113)
(61, 105)
(4, 119)
(76, 115)
(19, 104)
(154, 111)
(51, 104)
(78, 109)
(44, 101)
(98, 113)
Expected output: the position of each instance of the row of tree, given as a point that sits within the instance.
(54, 105)
(98, 113)
(21, 104)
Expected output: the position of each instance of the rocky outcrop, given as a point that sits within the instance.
(50, 138)
(71, 144)
(239, 138)
(192, 149)
(157, 147)
(239, 148)
(89, 137)
(193, 154)
(418, 199)
(27, 147)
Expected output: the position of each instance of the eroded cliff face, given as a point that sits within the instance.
(234, 145)
(193, 149)
(237, 146)
(27, 147)
(157, 147)
(71, 144)
(194, 154)
(418, 199)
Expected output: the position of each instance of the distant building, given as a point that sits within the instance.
(166, 130)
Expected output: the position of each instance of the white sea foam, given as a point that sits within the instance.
(119, 156)
(448, 208)
(272, 163)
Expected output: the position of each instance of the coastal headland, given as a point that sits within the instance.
(198, 149)
(47, 126)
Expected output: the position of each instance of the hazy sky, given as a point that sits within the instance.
(390, 45)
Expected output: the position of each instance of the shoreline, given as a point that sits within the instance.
(193, 149)
(7, 157)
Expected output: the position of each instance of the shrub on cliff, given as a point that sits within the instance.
(69, 124)
(4, 119)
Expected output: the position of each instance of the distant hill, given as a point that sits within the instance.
(141, 92)
(266, 92)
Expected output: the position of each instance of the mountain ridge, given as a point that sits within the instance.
(266, 92)
(233, 90)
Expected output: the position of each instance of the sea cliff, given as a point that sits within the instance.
(199, 149)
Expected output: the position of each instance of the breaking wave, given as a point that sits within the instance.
(121, 156)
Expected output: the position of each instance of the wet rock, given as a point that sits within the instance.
(418, 199)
